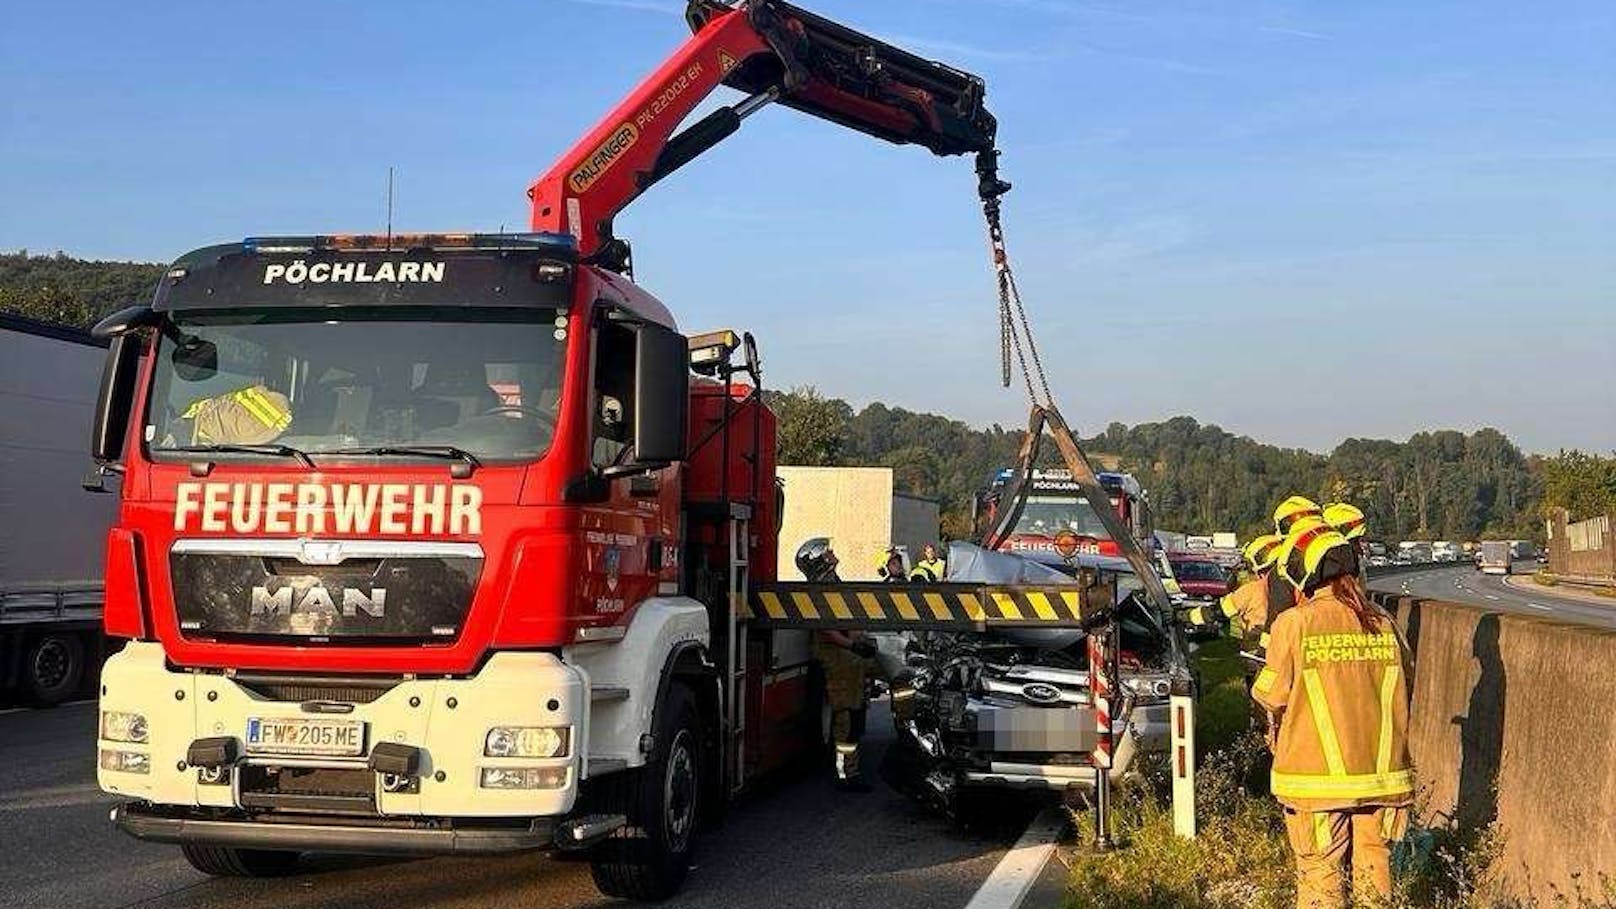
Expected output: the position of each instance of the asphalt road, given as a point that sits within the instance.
(1464, 584)
(796, 844)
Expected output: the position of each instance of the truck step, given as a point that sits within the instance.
(603, 765)
(608, 693)
(586, 830)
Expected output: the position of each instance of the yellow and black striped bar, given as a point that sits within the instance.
(932, 607)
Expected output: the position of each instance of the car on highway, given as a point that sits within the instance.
(1200, 577)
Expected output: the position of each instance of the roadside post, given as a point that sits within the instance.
(1102, 678)
(1182, 706)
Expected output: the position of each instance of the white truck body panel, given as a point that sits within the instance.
(52, 532)
(635, 664)
(859, 510)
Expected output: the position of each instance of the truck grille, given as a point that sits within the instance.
(333, 790)
(349, 592)
(294, 689)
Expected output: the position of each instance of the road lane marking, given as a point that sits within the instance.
(1541, 606)
(1009, 883)
(1491, 596)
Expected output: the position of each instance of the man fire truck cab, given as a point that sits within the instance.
(441, 543)
(1057, 518)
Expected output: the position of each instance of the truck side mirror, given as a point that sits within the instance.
(661, 394)
(116, 399)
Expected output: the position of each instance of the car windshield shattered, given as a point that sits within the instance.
(486, 383)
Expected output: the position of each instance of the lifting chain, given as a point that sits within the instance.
(1015, 332)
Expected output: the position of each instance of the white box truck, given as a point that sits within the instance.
(52, 532)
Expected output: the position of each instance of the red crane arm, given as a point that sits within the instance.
(772, 51)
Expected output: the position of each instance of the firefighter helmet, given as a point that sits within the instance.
(1292, 510)
(889, 565)
(1261, 552)
(1348, 520)
(816, 560)
(1313, 553)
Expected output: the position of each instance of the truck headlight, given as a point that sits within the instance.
(125, 761)
(526, 742)
(119, 726)
(523, 777)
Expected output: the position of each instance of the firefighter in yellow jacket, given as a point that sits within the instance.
(930, 569)
(1335, 686)
(842, 654)
(1249, 601)
(1349, 521)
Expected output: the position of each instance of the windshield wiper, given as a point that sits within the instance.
(284, 451)
(447, 452)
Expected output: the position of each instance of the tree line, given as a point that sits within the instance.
(77, 292)
(1442, 484)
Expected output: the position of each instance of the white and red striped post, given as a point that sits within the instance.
(1101, 690)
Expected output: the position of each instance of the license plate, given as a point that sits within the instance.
(297, 735)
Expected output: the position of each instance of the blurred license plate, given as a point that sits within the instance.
(1040, 729)
(297, 735)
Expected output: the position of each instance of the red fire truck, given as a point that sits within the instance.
(1057, 520)
(442, 543)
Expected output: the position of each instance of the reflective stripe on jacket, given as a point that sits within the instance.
(1342, 697)
(246, 416)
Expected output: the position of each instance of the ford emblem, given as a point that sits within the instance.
(1040, 693)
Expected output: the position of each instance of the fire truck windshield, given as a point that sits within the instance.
(484, 381)
(1049, 515)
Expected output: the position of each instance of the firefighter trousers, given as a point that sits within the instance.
(1327, 842)
(844, 692)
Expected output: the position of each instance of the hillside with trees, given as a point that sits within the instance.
(77, 292)
(1443, 484)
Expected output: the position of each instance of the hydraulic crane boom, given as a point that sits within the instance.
(772, 51)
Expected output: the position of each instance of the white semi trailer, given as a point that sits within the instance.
(52, 532)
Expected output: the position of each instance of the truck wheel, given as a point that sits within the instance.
(228, 861)
(648, 859)
(53, 668)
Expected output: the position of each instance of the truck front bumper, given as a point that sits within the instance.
(339, 799)
(190, 825)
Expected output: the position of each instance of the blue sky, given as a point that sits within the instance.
(1302, 221)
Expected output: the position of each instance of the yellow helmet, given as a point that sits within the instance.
(1293, 509)
(1348, 520)
(1261, 552)
(1304, 551)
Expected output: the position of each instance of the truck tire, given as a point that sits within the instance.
(53, 668)
(228, 861)
(648, 859)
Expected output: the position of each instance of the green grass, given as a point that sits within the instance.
(1239, 859)
(1225, 705)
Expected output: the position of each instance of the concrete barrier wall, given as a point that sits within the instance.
(1581, 549)
(1514, 723)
